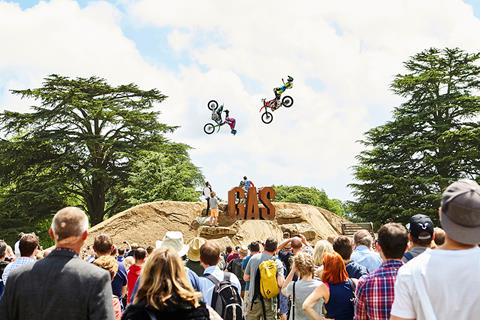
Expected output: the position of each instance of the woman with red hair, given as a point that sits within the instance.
(338, 291)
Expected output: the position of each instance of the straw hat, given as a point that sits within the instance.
(194, 250)
(173, 240)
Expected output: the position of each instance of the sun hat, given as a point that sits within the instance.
(173, 240)
(460, 211)
(421, 227)
(193, 253)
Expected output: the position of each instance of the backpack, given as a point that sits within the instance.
(268, 279)
(226, 299)
(235, 267)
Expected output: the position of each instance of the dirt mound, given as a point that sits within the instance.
(148, 222)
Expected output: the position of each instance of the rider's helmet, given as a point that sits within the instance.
(289, 79)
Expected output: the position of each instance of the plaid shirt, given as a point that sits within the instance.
(14, 265)
(375, 292)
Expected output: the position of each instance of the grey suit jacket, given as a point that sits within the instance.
(61, 286)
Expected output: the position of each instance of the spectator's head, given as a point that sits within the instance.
(363, 238)
(102, 245)
(164, 281)
(296, 244)
(134, 246)
(270, 245)
(420, 230)
(392, 241)
(69, 228)
(150, 249)
(3, 250)
(287, 235)
(254, 247)
(321, 247)
(107, 263)
(460, 212)
(243, 252)
(304, 264)
(228, 250)
(334, 270)
(207, 184)
(173, 240)
(20, 235)
(128, 262)
(244, 177)
(209, 254)
(331, 239)
(213, 194)
(121, 252)
(194, 246)
(439, 236)
(140, 254)
(343, 246)
(28, 245)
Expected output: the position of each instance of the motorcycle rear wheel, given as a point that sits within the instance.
(267, 117)
(209, 128)
(287, 101)
(212, 105)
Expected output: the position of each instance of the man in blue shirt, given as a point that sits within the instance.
(362, 254)
(209, 258)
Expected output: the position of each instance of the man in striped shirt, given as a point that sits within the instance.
(28, 245)
(375, 291)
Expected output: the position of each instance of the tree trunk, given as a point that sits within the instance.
(96, 202)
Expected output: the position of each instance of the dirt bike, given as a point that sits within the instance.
(274, 104)
(209, 128)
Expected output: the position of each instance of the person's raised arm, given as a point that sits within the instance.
(283, 244)
(312, 300)
(288, 280)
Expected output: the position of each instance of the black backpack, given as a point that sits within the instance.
(226, 298)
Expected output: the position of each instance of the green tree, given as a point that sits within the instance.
(433, 139)
(308, 195)
(165, 175)
(77, 146)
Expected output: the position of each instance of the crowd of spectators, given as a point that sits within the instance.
(417, 271)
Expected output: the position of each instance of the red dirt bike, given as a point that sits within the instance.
(274, 104)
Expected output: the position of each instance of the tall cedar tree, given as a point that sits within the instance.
(433, 139)
(78, 144)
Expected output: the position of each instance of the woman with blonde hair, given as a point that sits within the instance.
(299, 290)
(321, 247)
(165, 291)
(337, 291)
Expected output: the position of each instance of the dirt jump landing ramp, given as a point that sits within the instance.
(146, 223)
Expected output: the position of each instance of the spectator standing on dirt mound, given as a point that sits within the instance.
(363, 254)
(444, 283)
(266, 269)
(375, 291)
(61, 286)
(207, 190)
(420, 233)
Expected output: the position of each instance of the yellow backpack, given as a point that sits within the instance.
(268, 279)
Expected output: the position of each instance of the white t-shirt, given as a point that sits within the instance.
(452, 282)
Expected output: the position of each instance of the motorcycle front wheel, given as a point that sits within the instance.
(287, 101)
(212, 105)
(209, 128)
(267, 117)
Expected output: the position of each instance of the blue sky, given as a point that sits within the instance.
(342, 58)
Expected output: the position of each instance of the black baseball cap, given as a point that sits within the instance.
(421, 227)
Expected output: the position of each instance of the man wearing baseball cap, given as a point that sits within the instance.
(420, 234)
(444, 283)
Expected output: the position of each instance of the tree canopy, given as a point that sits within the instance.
(433, 139)
(308, 195)
(82, 144)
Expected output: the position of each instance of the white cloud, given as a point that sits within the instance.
(353, 47)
